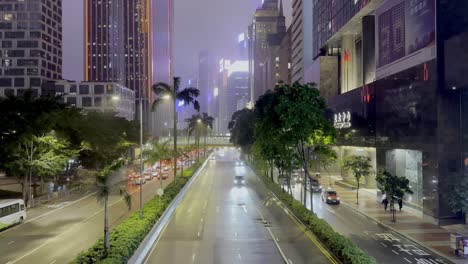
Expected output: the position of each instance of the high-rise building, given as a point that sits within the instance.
(301, 30)
(207, 71)
(238, 91)
(268, 19)
(118, 47)
(31, 46)
(162, 36)
(392, 76)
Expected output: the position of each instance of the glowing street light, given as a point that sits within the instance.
(166, 97)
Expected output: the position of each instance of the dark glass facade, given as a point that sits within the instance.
(331, 16)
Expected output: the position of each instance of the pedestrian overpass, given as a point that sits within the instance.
(210, 141)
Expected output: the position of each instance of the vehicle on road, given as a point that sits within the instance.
(239, 180)
(12, 211)
(148, 175)
(139, 180)
(239, 163)
(330, 196)
(314, 185)
(297, 177)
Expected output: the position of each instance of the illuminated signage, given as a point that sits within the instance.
(342, 120)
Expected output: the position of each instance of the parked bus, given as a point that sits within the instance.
(12, 211)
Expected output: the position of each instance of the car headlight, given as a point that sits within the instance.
(243, 181)
(320, 186)
(338, 198)
(235, 181)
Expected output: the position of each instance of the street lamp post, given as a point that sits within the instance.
(141, 157)
(198, 139)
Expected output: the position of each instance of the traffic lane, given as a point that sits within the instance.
(221, 230)
(53, 237)
(384, 245)
(298, 247)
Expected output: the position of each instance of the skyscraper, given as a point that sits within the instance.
(162, 13)
(118, 47)
(31, 50)
(268, 19)
(206, 80)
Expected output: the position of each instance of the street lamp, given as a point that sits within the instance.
(198, 139)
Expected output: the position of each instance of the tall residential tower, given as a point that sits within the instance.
(31, 46)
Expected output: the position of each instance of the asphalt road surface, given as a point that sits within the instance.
(383, 244)
(60, 234)
(221, 222)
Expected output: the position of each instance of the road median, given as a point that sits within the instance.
(126, 238)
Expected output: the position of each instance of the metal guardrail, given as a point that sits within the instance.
(214, 140)
(147, 244)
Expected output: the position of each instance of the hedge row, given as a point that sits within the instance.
(127, 236)
(340, 246)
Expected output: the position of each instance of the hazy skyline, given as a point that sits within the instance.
(213, 25)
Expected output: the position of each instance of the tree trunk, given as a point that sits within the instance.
(24, 189)
(106, 226)
(357, 193)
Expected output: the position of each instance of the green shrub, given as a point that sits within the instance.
(340, 246)
(127, 236)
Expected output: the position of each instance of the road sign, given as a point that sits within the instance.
(160, 192)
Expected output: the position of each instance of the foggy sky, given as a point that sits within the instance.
(199, 24)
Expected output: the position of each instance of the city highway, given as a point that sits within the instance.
(58, 235)
(221, 222)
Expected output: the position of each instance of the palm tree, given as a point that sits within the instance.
(188, 96)
(156, 153)
(193, 124)
(105, 184)
(207, 122)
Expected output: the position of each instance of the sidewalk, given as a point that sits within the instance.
(408, 223)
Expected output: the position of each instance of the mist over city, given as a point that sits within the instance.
(220, 131)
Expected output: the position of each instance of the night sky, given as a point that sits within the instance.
(199, 24)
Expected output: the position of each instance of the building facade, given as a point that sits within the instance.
(268, 19)
(383, 70)
(106, 97)
(237, 87)
(31, 45)
(162, 27)
(118, 48)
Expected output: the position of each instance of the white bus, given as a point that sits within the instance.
(12, 211)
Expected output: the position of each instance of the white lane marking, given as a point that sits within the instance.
(201, 220)
(198, 234)
(239, 255)
(272, 236)
(48, 241)
(217, 209)
(407, 260)
(193, 257)
(277, 239)
(330, 210)
(235, 234)
(48, 213)
(11, 242)
(55, 260)
(245, 208)
(206, 203)
(32, 251)
(189, 210)
(290, 261)
(383, 244)
(395, 252)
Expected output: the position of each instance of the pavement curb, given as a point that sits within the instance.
(144, 249)
(292, 214)
(427, 247)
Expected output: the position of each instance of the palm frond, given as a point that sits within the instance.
(127, 198)
(156, 103)
(161, 89)
(196, 105)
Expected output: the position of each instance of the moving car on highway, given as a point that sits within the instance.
(330, 196)
(239, 180)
